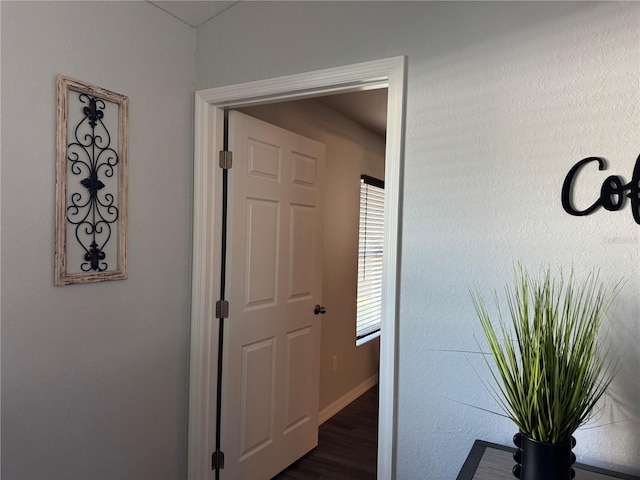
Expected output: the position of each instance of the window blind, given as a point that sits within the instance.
(371, 240)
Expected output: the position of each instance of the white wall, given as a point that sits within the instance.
(502, 99)
(95, 377)
(351, 151)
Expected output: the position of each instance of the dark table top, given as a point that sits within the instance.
(490, 461)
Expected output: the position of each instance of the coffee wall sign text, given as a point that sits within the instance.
(613, 192)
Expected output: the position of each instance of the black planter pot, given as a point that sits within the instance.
(543, 461)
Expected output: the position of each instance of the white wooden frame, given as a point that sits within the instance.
(209, 106)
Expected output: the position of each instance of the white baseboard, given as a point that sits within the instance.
(333, 408)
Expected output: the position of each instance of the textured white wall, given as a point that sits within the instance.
(95, 377)
(502, 99)
(351, 151)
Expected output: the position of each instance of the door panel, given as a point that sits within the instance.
(272, 344)
(297, 375)
(304, 170)
(301, 251)
(263, 160)
(258, 368)
(261, 275)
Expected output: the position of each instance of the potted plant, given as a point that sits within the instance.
(550, 365)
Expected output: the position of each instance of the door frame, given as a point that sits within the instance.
(209, 117)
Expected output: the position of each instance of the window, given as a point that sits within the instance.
(369, 301)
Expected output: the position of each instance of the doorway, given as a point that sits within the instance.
(387, 73)
(352, 128)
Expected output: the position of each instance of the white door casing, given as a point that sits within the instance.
(272, 341)
(209, 105)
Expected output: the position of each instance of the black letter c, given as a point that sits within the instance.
(568, 182)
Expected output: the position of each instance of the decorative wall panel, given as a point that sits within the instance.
(91, 184)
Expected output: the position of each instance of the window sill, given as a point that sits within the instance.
(368, 338)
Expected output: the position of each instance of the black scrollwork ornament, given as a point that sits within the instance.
(93, 210)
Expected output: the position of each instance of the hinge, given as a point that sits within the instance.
(222, 309)
(226, 159)
(217, 460)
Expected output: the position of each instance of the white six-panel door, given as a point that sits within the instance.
(272, 342)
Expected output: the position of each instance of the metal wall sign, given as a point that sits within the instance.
(91, 184)
(613, 193)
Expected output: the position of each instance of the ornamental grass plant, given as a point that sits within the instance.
(550, 364)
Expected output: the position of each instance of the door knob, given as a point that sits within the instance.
(319, 310)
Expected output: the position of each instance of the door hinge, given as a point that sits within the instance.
(222, 309)
(226, 159)
(217, 460)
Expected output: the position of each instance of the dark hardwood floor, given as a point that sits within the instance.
(347, 445)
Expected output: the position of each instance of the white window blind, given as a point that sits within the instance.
(369, 306)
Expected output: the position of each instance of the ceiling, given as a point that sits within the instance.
(193, 13)
(368, 107)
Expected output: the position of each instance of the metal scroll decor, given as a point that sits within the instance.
(613, 192)
(91, 186)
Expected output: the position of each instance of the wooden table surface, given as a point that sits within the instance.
(489, 461)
